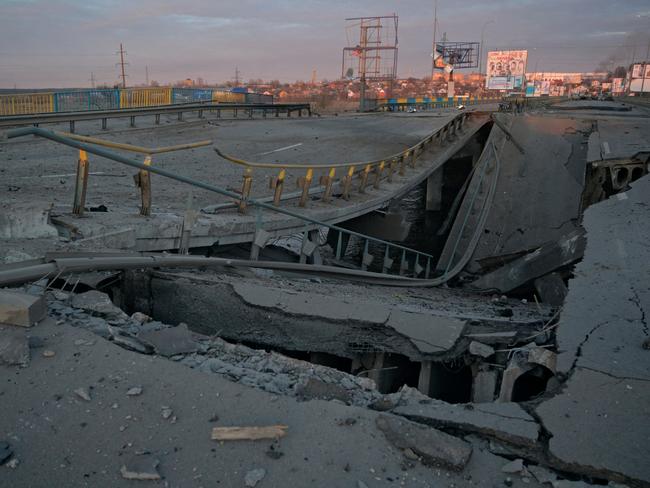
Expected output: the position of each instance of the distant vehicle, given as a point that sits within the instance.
(461, 107)
(412, 109)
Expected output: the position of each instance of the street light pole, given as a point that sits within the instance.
(480, 61)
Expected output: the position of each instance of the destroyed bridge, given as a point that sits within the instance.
(472, 284)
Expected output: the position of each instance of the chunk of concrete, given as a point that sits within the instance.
(98, 303)
(507, 422)
(14, 346)
(170, 341)
(143, 467)
(22, 309)
(433, 446)
(479, 349)
(26, 221)
(513, 467)
(316, 389)
(542, 475)
(429, 333)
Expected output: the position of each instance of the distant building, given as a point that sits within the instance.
(638, 78)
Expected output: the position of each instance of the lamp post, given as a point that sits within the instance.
(480, 62)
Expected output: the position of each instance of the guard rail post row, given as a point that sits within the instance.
(382, 169)
(142, 179)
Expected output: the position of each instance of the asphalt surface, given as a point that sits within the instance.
(62, 440)
(41, 170)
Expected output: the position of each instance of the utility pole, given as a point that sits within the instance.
(146, 75)
(645, 67)
(92, 79)
(122, 52)
(435, 27)
(237, 76)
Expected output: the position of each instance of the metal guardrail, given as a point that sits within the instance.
(422, 262)
(368, 172)
(157, 111)
(142, 179)
(107, 98)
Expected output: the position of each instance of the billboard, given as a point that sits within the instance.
(506, 70)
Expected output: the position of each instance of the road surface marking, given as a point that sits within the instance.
(278, 150)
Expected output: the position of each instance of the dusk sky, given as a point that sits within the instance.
(58, 43)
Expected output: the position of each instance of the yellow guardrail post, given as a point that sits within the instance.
(391, 170)
(306, 183)
(414, 156)
(278, 185)
(364, 178)
(328, 180)
(245, 189)
(347, 182)
(402, 163)
(143, 181)
(81, 184)
(379, 169)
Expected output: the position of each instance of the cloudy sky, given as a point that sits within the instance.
(58, 43)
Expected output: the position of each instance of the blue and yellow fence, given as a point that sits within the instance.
(428, 102)
(113, 99)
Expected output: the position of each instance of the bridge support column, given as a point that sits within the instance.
(200, 114)
(104, 124)
(309, 249)
(157, 119)
(132, 124)
(180, 115)
(434, 190)
(259, 241)
(72, 127)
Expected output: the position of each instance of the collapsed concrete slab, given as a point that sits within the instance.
(547, 258)
(26, 221)
(434, 447)
(21, 309)
(507, 422)
(429, 334)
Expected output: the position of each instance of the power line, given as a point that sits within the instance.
(122, 52)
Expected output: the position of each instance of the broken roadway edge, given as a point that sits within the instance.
(600, 422)
(60, 439)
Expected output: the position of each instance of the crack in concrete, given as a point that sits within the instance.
(621, 378)
(637, 301)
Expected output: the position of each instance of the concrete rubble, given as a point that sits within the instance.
(432, 446)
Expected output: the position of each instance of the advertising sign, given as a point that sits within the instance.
(618, 85)
(505, 69)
